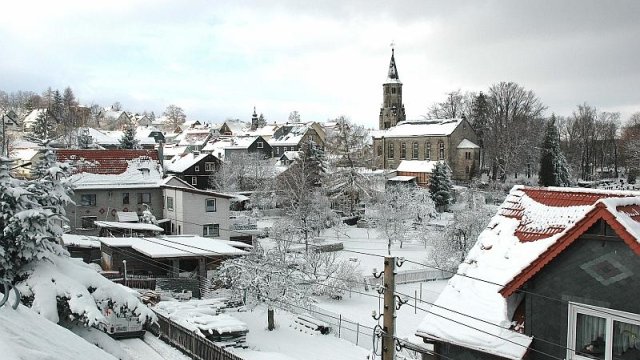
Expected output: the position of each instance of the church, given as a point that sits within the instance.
(398, 139)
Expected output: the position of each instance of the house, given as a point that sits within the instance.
(553, 276)
(195, 168)
(241, 145)
(10, 121)
(108, 181)
(288, 157)
(83, 247)
(292, 137)
(234, 127)
(165, 256)
(420, 169)
(194, 138)
(450, 140)
(117, 118)
(32, 118)
(194, 211)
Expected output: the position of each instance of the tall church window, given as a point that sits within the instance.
(403, 151)
(441, 157)
(390, 154)
(414, 152)
(427, 151)
(393, 90)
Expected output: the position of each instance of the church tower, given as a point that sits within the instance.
(392, 110)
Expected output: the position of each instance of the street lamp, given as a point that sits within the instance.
(124, 262)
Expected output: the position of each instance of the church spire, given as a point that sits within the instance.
(393, 70)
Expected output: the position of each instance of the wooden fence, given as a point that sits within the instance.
(197, 347)
(412, 276)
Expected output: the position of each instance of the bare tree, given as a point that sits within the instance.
(175, 116)
(456, 105)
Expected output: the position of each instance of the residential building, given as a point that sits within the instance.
(553, 276)
(108, 181)
(292, 137)
(243, 145)
(204, 212)
(421, 170)
(195, 168)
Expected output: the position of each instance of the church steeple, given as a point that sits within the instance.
(393, 70)
(392, 110)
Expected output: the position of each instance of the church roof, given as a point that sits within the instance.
(392, 76)
(440, 127)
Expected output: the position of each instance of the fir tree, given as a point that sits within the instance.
(262, 122)
(554, 170)
(128, 140)
(440, 186)
(44, 127)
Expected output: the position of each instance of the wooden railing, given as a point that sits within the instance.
(189, 342)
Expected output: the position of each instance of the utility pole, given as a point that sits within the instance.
(389, 317)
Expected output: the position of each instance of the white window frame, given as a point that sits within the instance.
(194, 180)
(215, 205)
(197, 168)
(610, 315)
(260, 145)
(211, 230)
(170, 203)
(209, 166)
(141, 197)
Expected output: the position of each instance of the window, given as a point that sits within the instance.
(194, 180)
(284, 149)
(144, 198)
(88, 200)
(467, 170)
(414, 152)
(209, 166)
(403, 151)
(197, 168)
(169, 202)
(467, 155)
(393, 90)
(125, 198)
(600, 333)
(441, 145)
(210, 205)
(211, 230)
(260, 145)
(88, 222)
(427, 151)
(391, 154)
(277, 151)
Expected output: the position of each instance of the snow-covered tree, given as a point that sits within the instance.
(44, 127)
(554, 170)
(262, 121)
(266, 276)
(397, 213)
(450, 246)
(349, 151)
(243, 172)
(440, 186)
(84, 139)
(128, 139)
(148, 217)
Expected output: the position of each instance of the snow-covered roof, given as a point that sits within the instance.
(467, 144)
(172, 150)
(180, 164)
(193, 136)
(293, 136)
(24, 154)
(242, 142)
(291, 155)
(418, 166)
(529, 222)
(174, 246)
(401, 178)
(266, 131)
(33, 116)
(236, 126)
(81, 241)
(442, 127)
(201, 315)
(128, 225)
(139, 173)
(115, 161)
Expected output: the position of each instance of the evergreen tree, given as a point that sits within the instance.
(554, 170)
(44, 127)
(57, 106)
(440, 186)
(261, 121)
(84, 139)
(128, 140)
(480, 120)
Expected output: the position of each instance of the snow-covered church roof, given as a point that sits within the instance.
(528, 225)
(419, 128)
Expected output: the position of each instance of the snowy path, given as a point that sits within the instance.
(151, 348)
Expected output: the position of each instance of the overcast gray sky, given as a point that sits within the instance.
(217, 59)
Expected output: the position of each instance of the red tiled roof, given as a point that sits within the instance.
(600, 211)
(513, 208)
(103, 161)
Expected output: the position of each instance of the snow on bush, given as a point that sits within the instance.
(61, 280)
